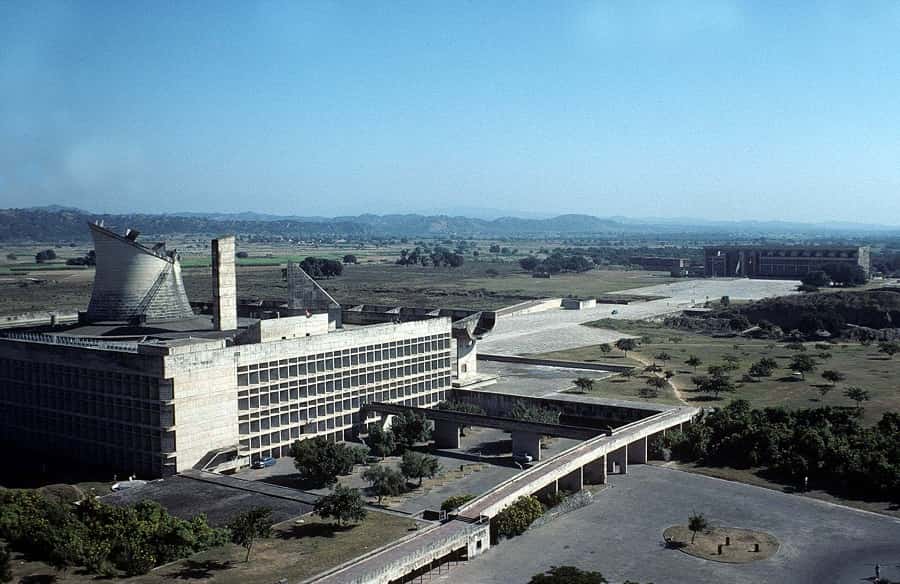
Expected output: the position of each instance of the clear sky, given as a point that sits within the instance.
(722, 110)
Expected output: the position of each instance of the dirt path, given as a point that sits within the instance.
(670, 383)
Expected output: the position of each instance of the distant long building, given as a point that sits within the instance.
(786, 262)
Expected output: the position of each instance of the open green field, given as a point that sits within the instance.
(295, 551)
(863, 366)
(487, 282)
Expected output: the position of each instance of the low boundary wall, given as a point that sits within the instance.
(611, 367)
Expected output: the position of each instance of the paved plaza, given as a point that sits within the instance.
(620, 535)
(554, 330)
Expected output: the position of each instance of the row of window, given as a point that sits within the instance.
(393, 368)
(92, 380)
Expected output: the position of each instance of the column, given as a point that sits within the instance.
(572, 482)
(594, 473)
(637, 451)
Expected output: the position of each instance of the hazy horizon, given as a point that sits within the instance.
(713, 110)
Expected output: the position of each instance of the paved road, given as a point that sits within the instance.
(554, 330)
(534, 380)
(620, 535)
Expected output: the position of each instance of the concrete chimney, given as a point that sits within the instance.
(224, 284)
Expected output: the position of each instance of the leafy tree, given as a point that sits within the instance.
(343, 504)
(410, 428)
(725, 301)
(731, 362)
(321, 461)
(44, 256)
(416, 465)
(516, 518)
(249, 526)
(694, 361)
(321, 267)
(529, 263)
(567, 575)
(381, 441)
(242, 255)
(385, 481)
(857, 394)
(533, 413)
(605, 348)
(657, 382)
(456, 501)
(585, 384)
(845, 274)
(649, 392)
(669, 374)
(6, 574)
(626, 345)
(889, 348)
(662, 356)
(803, 363)
(350, 259)
(630, 372)
(697, 523)
(832, 376)
(825, 389)
(816, 278)
(466, 408)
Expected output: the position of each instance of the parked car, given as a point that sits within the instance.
(264, 462)
(522, 457)
(616, 311)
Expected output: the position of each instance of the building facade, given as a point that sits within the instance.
(161, 406)
(787, 262)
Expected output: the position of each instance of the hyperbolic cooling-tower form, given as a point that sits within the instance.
(134, 282)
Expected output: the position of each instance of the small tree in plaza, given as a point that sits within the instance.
(319, 460)
(626, 345)
(585, 384)
(249, 526)
(409, 429)
(697, 523)
(343, 504)
(381, 441)
(385, 481)
(416, 465)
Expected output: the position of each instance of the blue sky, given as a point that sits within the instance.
(721, 110)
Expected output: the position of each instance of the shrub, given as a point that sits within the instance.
(456, 501)
(516, 518)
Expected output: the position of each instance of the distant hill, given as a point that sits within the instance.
(57, 223)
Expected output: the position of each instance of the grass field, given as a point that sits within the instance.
(295, 551)
(863, 366)
(487, 284)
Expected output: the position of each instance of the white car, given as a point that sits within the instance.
(522, 457)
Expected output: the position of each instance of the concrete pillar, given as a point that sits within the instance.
(527, 442)
(446, 434)
(617, 457)
(637, 451)
(224, 284)
(594, 473)
(572, 482)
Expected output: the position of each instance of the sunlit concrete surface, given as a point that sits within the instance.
(553, 330)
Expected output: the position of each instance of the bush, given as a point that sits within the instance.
(516, 518)
(321, 461)
(456, 501)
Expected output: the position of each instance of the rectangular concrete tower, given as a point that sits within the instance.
(224, 284)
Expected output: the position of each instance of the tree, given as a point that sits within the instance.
(697, 523)
(626, 345)
(44, 256)
(832, 376)
(605, 348)
(857, 394)
(321, 461)
(845, 274)
(731, 362)
(529, 263)
(533, 413)
(889, 348)
(242, 255)
(816, 278)
(824, 389)
(384, 481)
(381, 441)
(456, 501)
(350, 259)
(410, 428)
(694, 361)
(342, 504)
(516, 518)
(6, 574)
(249, 526)
(725, 301)
(416, 465)
(803, 363)
(11, 257)
(662, 356)
(585, 384)
(568, 575)
(657, 382)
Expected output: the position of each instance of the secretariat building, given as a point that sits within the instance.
(143, 385)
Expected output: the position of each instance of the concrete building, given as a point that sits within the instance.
(190, 393)
(782, 262)
(677, 267)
